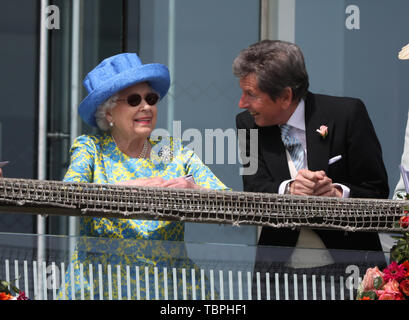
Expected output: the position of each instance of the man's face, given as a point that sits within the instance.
(265, 111)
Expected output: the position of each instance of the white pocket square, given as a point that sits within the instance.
(334, 159)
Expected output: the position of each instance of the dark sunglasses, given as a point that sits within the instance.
(135, 99)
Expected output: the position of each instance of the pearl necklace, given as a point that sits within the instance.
(142, 154)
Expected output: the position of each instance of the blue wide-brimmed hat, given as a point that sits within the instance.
(115, 74)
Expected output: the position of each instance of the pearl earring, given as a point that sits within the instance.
(111, 124)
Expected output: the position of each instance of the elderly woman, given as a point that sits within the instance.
(122, 102)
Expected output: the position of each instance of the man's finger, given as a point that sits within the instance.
(298, 188)
(333, 191)
(320, 174)
(307, 174)
(306, 178)
(323, 190)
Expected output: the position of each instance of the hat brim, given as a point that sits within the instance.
(157, 75)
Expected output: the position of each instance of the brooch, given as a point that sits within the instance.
(165, 154)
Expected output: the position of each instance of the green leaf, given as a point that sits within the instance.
(395, 255)
(15, 289)
(402, 242)
(377, 283)
(370, 294)
(397, 237)
(4, 287)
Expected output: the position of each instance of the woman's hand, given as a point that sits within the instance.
(181, 183)
(144, 182)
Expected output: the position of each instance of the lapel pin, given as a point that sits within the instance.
(323, 131)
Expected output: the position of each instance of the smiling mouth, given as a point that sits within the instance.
(253, 113)
(144, 120)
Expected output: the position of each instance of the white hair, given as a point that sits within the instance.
(100, 114)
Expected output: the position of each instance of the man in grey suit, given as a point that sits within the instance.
(308, 144)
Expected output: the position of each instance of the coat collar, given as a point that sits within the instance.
(318, 148)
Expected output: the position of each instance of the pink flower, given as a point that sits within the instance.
(382, 295)
(22, 296)
(392, 286)
(390, 291)
(390, 296)
(394, 272)
(369, 278)
(323, 131)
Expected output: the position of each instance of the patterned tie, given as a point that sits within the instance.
(293, 146)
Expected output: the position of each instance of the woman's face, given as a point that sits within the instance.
(133, 121)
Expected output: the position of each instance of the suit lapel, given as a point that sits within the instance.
(318, 148)
(273, 151)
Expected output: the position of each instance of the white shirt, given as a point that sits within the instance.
(309, 250)
(297, 130)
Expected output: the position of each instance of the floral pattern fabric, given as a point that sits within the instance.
(134, 245)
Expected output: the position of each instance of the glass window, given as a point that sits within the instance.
(18, 96)
(89, 31)
(351, 49)
(198, 41)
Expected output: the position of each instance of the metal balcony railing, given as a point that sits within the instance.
(59, 267)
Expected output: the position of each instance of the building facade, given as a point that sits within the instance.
(351, 49)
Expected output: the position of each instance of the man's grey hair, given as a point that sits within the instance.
(100, 114)
(277, 65)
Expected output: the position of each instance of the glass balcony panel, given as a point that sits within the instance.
(116, 269)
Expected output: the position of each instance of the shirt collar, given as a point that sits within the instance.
(297, 119)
